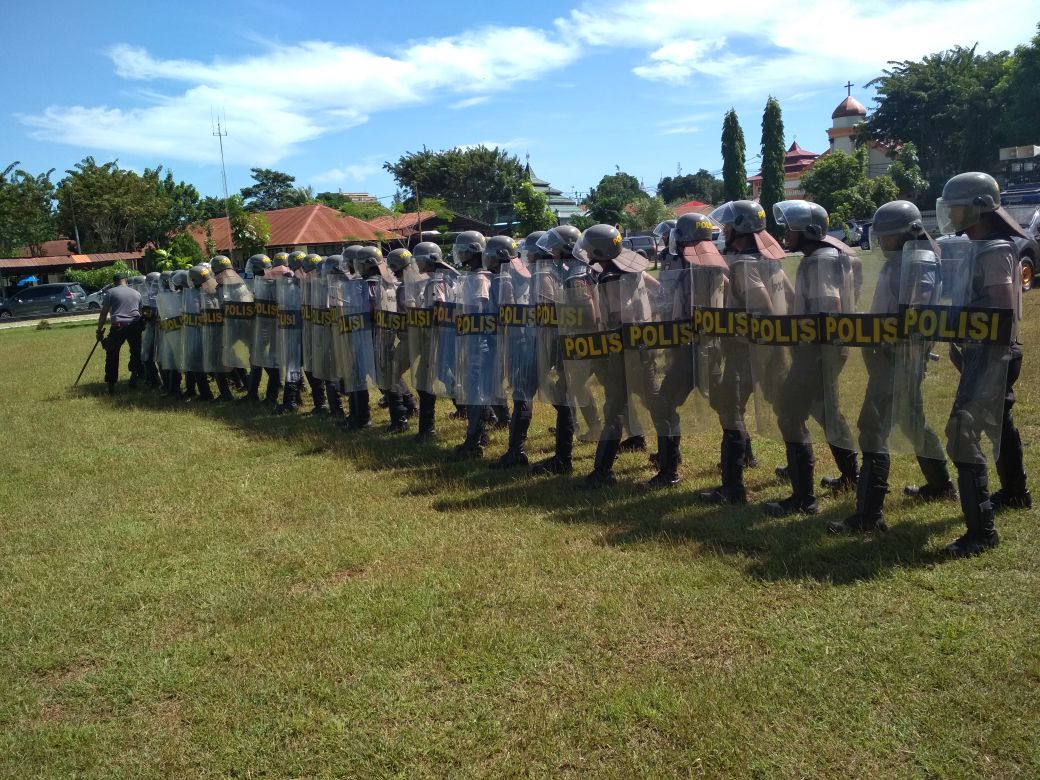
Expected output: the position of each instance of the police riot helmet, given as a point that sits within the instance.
(153, 277)
(744, 216)
(602, 244)
(349, 255)
(367, 259)
(896, 218)
(428, 254)
(468, 249)
(399, 259)
(199, 275)
(309, 262)
(559, 241)
(965, 198)
(690, 228)
(529, 247)
(664, 228)
(179, 279)
(220, 263)
(802, 216)
(499, 249)
(282, 258)
(257, 264)
(295, 259)
(333, 265)
(165, 280)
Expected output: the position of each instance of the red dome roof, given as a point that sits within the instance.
(849, 107)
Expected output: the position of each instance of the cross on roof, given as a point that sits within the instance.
(849, 87)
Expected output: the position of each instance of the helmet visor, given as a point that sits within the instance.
(724, 214)
(955, 217)
(551, 243)
(793, 214)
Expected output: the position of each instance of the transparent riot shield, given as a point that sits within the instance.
(149, 336)
(211, 323)
(477, 371)
(264, 350)
(517, 332)
(168, 304)
(668, 365)
(441, 294)
(307, 281)
(322, 360)
(239, 310)
(339, 341)
(977, 329)
(290, 328)
(419, 321)
(589, 323)
(547, 279)
(386, 324)
(774, 331)
(828, 290)
(191, 337)
(357, 366)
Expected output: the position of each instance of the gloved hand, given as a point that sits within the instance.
(101, 334)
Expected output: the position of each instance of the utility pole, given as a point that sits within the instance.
(220, 133)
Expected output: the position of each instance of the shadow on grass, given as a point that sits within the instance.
(763, 548)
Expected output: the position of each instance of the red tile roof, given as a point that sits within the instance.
(55, 248)
(64, 261)
(796, 160)
(405, 224)
(691, 206)
(301, 226)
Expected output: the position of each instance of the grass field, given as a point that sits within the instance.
(193, 591)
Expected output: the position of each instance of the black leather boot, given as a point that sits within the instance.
(253, 385)
(846, 480)
(603, 469)
(560, 462)
(802, 500)
(668, 462)
(871, 488)
(516, 454)
(938, 485)
(734, 457)
(973, 484)
(427, 413)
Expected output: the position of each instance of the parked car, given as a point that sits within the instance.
(44, 299)
(647, 243)
(96, 297)
(955, 248)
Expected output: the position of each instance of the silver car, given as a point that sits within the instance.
(44, 299)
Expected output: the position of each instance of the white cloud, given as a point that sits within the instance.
(764, 49)
(470, 102)
(284, 97)
(352, 172)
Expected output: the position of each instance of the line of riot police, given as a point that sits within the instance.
(718, 340)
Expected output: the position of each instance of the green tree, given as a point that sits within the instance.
(839, 183)
(115, 210)
(365, 211)
(1019, 94)
(948, 105)
(97, 278)
(26, 211)
(184, 246)
(700, 186)
(607, 200)
(645, 214)
(272, 190)
(250, 231)
(773, 152)
(906, 173)
(532, 210)
(478, 182)
(179, 208)
(734, 173)
(211, 208)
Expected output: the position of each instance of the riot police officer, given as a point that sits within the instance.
(989, 278)
(823, 284)
(910, 276)
(476, 343)
(432, 345)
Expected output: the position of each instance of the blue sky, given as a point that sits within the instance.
(328, 91)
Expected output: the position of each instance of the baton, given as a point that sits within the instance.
(96, 342)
